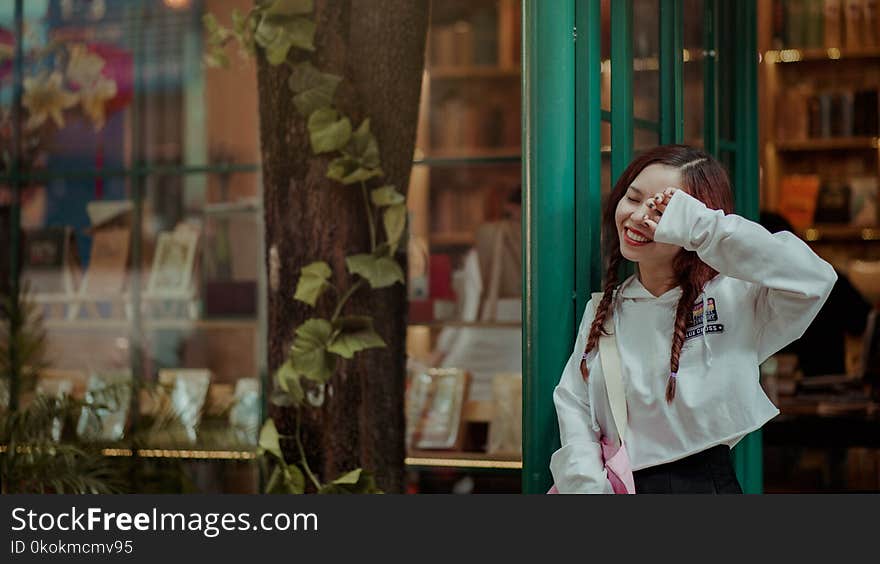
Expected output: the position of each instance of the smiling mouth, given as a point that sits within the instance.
(634, 238)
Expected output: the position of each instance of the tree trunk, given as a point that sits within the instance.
(378, 48)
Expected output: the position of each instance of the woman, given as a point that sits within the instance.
(713, 296)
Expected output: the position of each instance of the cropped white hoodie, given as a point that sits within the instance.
(769, 289)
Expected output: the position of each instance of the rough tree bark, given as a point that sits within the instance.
(377, 46)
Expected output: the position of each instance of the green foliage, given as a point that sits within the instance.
(379, 271)
(313, 89)
(328, 131)
(387, 196)
(355, 482)
(354, 334)
(313, 280)
(309, 355)
(277, 28)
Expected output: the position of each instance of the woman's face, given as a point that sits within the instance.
(636, 244)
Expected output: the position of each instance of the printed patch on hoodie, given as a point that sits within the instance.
(695, 324)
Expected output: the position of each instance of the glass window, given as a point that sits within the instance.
(465, 248)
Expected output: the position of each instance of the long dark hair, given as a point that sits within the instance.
(702, 177)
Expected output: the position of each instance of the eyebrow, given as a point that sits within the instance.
(637, 190)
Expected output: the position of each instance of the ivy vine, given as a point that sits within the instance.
(277, 29)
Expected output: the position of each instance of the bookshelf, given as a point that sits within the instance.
(467, 163)
(819, 83)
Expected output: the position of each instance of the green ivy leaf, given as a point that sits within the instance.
(350, 478)
(309, 354)
(290, 7)
(394, 220)
(312, 282)
(354, 482)
(278, 35)
(314, 89)
(364, 146)
(386, 196)
(379, 271)
(328, 131)
(354, 334)
(210, 23)
(269, 440)
(217, 59)
(349, 171)
(288, 379)
(286, 479)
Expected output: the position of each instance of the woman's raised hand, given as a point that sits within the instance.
(656, 206)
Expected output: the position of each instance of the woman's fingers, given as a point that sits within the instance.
(650, 224)
(660, 200)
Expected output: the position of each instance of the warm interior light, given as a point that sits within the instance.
(177, 4)
(790, 55)
(833, 53)
(771, 56)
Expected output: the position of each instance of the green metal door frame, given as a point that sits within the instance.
(562, 176)
(548, 176)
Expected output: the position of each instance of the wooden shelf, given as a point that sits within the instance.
(158, 324)
(476, 324)
(789, 56)
(830, 144)
(841, 233)
(467, 72)
(464, 460)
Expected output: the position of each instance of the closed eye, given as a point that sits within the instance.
(631, 199)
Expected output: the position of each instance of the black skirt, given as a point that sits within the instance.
(707, 472)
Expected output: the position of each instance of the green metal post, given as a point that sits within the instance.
(588, 158)
(671, 73)
(548, 224)
(747, 454)
(710, 78)
(621, 86)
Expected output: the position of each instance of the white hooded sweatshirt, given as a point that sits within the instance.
(769, 289)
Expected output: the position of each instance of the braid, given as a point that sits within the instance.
(685, 305)
(602, 308)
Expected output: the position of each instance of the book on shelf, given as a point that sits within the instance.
(108, 262)
(852, 24)
(833, 25)
(864, 201)
(797, 199)
(865, 108)
(870, 23)
(51, 263)
(795, 23)
(833, 203)
(813, 34)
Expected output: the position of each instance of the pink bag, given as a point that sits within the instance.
(616, 459)
(617, 467)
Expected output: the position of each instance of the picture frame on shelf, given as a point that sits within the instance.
(172, 272)
(110, 393)
(434, 403)
(505, 424)
(182, 399)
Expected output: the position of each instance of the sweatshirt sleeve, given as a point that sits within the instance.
(792, 282)
(577, 467)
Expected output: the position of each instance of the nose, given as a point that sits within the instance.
(640, 211)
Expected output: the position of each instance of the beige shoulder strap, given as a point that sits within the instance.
(611, 368)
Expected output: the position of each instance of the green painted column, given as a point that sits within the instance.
(671, 72)
(548, 224)
(621, 86)
(748, 453)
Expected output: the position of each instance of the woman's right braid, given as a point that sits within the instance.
(602, 309)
